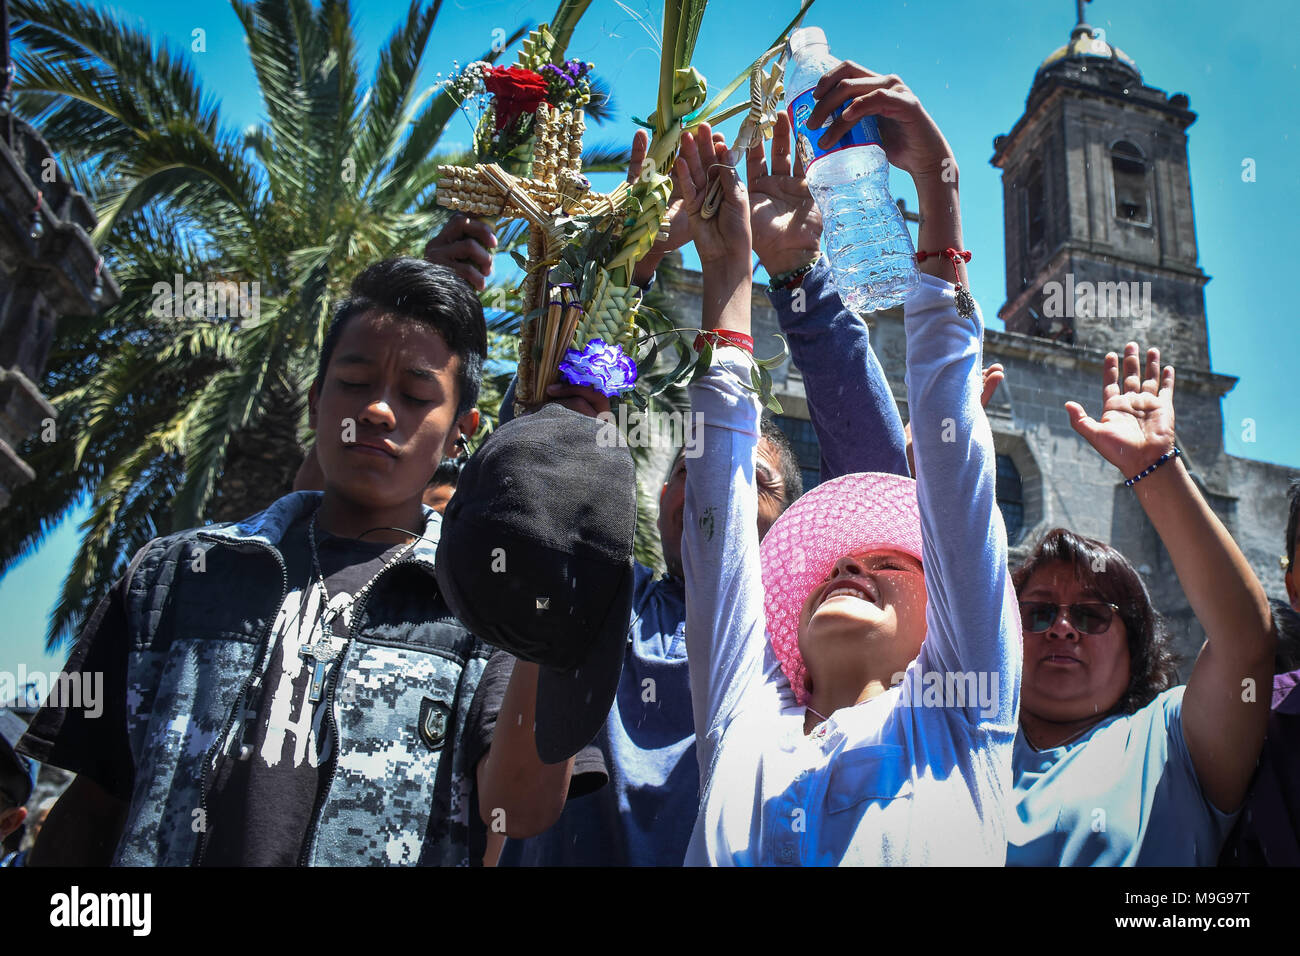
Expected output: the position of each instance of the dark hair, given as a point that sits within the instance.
(787, 461)
(447, 473)
(1293, 492)
(423, 292)
(1153, 667)
(1287, 624)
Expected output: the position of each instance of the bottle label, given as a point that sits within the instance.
(863, 133)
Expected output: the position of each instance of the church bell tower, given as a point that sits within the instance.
(1100, 237)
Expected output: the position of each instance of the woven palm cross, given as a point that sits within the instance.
(555, 190)
(556, 187)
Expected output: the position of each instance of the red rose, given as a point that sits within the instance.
(516, 90)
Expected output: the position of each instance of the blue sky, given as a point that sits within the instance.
(971, 64)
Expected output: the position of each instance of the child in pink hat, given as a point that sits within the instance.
(856, 683)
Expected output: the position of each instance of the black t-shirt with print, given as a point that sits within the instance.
(262, 795)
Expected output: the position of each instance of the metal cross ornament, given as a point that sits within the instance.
(320, 656)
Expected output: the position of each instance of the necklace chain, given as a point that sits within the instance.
(331, 613)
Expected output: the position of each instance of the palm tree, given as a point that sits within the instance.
(169, 418)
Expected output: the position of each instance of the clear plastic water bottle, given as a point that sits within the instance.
(871, 254)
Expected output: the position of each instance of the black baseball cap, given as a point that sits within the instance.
(536, 558)
(16, 771)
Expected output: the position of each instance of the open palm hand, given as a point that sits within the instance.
(1137, 418)
(725, 234)
(786, 223)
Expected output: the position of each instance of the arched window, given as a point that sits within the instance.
(1130, 171)
(1011, 499)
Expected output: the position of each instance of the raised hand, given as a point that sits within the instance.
(579, 398)
(912, 140)
(1137, 417)
(679, 226)
(786, 223)
(464, 246)
(724, 236)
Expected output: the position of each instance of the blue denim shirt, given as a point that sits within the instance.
(644, 815)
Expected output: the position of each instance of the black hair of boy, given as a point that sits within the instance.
(423, 292)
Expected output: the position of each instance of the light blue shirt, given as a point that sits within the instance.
(1124, 795)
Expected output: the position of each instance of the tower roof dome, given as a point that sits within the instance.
(1087, 44)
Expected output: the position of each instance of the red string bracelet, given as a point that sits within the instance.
(965, 304)
(719, 337)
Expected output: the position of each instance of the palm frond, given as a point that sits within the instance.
(600, 109)
(562, 24)
(606, 158)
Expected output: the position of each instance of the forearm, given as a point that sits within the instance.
(940, 226)
(1223, 725)
(850, 403)
(515, 788)
(726, 295)
(724, 623)
(1218, 581)
(972, 618)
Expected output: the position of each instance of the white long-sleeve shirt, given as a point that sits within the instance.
(907, 777)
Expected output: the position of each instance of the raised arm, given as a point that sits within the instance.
(724, 610)
(849, 400)
(972, 621)
(1223, 724)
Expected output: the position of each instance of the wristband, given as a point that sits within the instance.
(720, 337)
(1167, 456)
(792, 279)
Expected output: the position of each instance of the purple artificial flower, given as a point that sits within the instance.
(604, 367)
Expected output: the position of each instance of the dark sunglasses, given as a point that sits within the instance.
(1089, 618)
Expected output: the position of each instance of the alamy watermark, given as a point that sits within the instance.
(210, 300)
(952, 689)
(1101, 300)
(634, 428)
(75, 909)
(62, 690)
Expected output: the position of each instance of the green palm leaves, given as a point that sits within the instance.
(167, 419)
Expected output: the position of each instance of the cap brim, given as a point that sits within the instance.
(572, 704)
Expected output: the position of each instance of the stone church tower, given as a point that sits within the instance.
(1098, 202)
(1100, 250)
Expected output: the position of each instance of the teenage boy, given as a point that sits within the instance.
(292, 688)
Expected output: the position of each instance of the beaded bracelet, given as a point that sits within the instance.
(791, 279)
(1167, 456)
(720, 337)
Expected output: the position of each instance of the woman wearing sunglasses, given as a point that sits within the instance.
(1114, 766)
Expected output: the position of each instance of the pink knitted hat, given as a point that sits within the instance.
(848, 515)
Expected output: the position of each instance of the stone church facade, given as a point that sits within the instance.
(1100, 250)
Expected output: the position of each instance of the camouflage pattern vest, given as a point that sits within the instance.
(200, 607)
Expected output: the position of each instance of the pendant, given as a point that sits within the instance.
(965, 303)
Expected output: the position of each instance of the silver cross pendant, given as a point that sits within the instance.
(320, 655)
